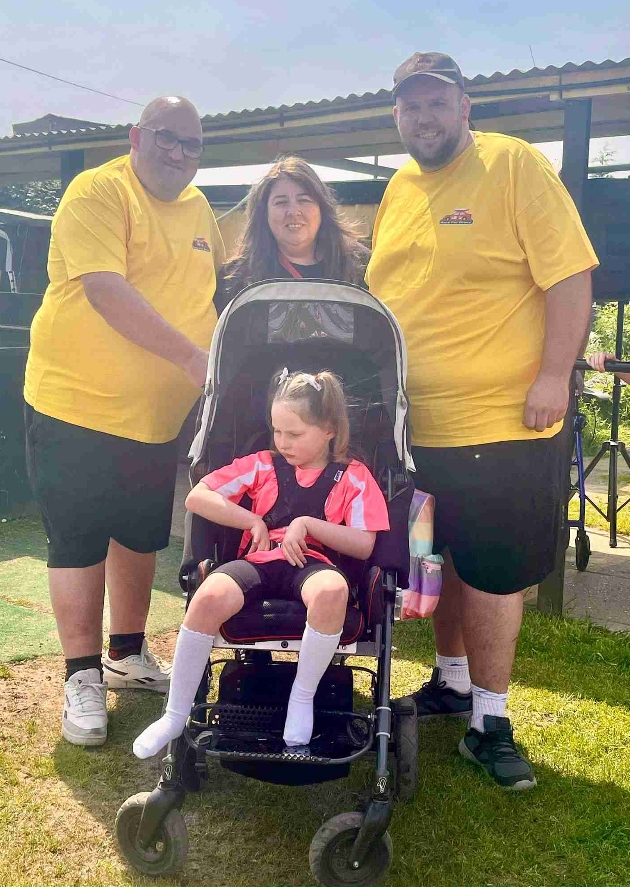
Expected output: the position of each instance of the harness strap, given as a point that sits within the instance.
(297, 501)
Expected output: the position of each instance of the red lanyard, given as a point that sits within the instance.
(286, 264)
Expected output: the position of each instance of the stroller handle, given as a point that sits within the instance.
(612, 366)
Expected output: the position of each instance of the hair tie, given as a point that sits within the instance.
(284, 375)
(312, 381)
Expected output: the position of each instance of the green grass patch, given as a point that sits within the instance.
(594, 519)
(25, 633)
(27, 626)
(570, 704)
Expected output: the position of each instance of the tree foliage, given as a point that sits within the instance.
(602, 338)
(604, 158)
(34, 197)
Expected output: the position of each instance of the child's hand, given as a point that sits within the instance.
(597, 360)
(294, 542)
(260, 536)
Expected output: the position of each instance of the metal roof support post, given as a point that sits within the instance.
(575, 148)
(576, 143)
(72, 163)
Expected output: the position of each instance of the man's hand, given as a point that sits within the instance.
(294, 542)
(196, 367)
(260, 536)
(597, 360)
(546, 402)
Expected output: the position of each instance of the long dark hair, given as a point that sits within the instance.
(337, 246)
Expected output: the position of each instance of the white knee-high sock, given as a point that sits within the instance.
(485, 702)
(316, 651)
(191, 655)
(454, 672)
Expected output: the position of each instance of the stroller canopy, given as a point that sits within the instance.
(303, 325)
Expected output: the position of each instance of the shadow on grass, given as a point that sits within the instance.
(568, 656)
(459, 829)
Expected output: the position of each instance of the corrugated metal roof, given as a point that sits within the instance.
(366, 99)
(550, 70)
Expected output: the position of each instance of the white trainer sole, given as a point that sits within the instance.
(77, 736)
(115, 682)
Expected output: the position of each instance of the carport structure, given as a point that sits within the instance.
(571, 104)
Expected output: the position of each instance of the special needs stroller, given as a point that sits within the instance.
(304, 325)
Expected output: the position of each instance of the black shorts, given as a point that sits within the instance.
(497, 508)
(92, 487)
(286, 581)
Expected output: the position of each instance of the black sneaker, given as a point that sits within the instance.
(434, 700)
(496, 752)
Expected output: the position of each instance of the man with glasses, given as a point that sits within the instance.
(119, 351)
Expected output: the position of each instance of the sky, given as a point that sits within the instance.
(254, 53)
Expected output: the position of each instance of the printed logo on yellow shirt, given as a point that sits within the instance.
(458, 217)
(201, 243)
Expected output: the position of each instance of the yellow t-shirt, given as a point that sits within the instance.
(462, 257)
(80, 370)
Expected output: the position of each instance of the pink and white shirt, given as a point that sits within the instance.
(356, 500)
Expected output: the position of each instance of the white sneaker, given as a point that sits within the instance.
(141, 672)
(84, 720)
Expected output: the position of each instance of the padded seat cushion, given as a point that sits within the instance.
(282, 620)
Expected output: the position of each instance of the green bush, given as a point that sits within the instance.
(599, 413)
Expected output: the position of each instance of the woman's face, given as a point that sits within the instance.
(294, 218)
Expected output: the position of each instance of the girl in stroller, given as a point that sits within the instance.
(285, 545)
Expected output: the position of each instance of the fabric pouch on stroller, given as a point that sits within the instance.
(425, 573)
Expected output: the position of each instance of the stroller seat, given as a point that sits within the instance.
(280, 620)
(270, 620)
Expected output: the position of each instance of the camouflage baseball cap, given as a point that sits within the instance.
(431, 64)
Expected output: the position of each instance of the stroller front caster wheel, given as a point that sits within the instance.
(169, 847)
(582, 550)
(331, 848)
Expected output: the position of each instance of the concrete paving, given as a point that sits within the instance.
(602, 592)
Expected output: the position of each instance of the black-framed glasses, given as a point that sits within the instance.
(167, 140)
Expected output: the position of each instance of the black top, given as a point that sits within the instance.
(230, 279)
(313, 272)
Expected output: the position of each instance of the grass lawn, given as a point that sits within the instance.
(27, 626)
(570, 704)
(594, 519)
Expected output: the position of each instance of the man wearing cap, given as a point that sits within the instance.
(118, 357)
(480, 253)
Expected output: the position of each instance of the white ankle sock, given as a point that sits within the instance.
(192, 652)
(485, 702)
(454, 672)
(316, 652)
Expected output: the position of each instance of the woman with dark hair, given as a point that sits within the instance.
(293, 229)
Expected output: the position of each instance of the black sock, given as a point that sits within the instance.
(123, 645)
(83, 662)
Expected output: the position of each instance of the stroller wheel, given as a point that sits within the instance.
(330, 851)
(169, 848)
(582, 550)
(405, 748)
